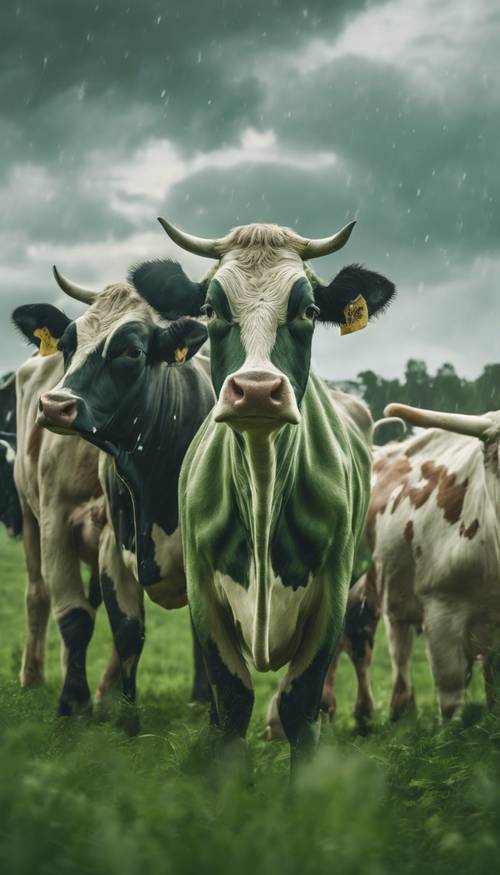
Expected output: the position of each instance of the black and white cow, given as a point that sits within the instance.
(124, 391)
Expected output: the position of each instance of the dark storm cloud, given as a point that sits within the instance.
(219, 113)
(175, 57)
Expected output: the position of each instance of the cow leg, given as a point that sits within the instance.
(124, 600)
(200, 692)
(299, 705)
(37, 606)
(72, 610)
(274, 727)
(111, 678)
(328, 700)
(450, 663)
(230, 682)
(400, 638)
(364, 708)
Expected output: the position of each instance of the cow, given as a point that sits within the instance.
(120, 386)
(433, 523)
(275, 485)
(55, 480)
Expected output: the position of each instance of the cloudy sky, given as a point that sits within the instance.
(222, 112)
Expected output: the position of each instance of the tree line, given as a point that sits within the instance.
(445, 390)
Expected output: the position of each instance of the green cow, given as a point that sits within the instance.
(275, 485)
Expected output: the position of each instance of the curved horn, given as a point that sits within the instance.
(326, 245)
(197, 245)
(461, 423)
(86, 296)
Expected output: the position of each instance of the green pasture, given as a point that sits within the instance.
(80, 796)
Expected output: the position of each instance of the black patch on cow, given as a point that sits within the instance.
(234, 701)
(299, 705)
(351, 281)
(165, 286)
(128, 635)
(67, 344)
(76, 628)
(8, 403)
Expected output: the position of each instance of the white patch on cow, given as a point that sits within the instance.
(259, 266)
(288, 610)
(168, 556)
(130, 561)
(9, 452)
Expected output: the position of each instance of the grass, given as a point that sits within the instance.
(81, 797)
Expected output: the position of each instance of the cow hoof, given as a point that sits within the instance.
(274, 732)
(327, 716)
(73, 708)
(29, 680)
(405, 709)
(129, 721)
(108, 690)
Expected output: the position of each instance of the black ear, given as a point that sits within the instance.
(181, 340)
(165, 286)
(42, 324)
(349, 284)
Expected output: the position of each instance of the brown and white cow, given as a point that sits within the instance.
(59, 491)
(433, 523)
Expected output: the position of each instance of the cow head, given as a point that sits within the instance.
(261, 302)
(108, 356)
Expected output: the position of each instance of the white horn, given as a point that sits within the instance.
(326, 245)
(461, 423)
(197, 245)
(86, 296)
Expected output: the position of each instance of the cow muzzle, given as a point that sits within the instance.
(57, 411)
(254, 399)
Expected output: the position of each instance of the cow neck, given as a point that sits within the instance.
(263, 473)
(151, 468)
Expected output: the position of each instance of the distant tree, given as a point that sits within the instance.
(448, 390)
(445, 391)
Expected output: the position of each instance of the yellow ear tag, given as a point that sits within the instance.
(48, 343)
(355, 315)
(180, 355)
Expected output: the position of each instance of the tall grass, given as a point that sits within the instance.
(81, 797)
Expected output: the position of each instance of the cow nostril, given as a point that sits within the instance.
(237, 388)
(68, 408)
(276, 393)
(40, 405)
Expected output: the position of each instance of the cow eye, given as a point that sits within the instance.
(208, 311)
(131, 352)
(311, 312)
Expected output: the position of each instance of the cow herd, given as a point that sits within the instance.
(240, 484)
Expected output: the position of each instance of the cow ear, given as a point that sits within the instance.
(165, 286)
(180, 341)
(42, 324)
(354, 297)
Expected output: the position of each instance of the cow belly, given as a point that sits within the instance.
(288, 612)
